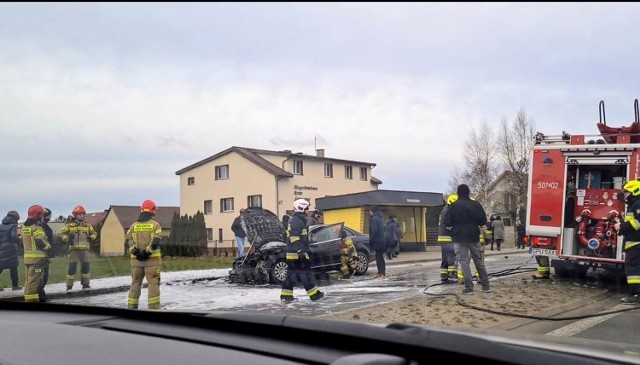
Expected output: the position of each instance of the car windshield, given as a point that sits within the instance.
(430, 164)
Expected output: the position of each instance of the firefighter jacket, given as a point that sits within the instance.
(444, 232)
(78, 234)
(141, 235)
(347, 248)
(465, 216)
(631, 226)
(298, 240)
(35, 243)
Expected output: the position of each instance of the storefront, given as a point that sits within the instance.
(417, 213)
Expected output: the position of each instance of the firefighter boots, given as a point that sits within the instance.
(540, 275)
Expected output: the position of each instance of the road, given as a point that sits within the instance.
(404, 281)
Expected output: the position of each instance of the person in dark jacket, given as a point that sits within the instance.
(376, 239)
(390, 236)
(465, 217)
(314, 218)
(239, 232)
(45, 267)
(9, 241)
(520, 233)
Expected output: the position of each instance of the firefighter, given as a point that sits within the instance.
(448, 264)
(298, 263)
(34, 241)
(349, 255)
(144, 246)
(45, 268)
(630, 229)
(79, 235)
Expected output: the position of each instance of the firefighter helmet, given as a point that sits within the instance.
(79, 209)
(633, 187)
(300, 205)
(452, 199)
(148, 206)
(35, 212)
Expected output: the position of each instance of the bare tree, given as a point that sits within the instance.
(480, 167)
(457, 178)
(516, 141)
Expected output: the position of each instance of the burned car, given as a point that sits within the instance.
(265, 262)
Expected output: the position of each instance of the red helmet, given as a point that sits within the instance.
(35, 212)
(148, 206)
(79, 209)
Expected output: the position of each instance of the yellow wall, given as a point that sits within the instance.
(352, 217)
(357, 218)
(247, 178)
(313, 176)
(112, 236)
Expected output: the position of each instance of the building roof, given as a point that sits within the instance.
(253, 155)
(375, 180)
(95, 218)
(381, 197)
(129, 214)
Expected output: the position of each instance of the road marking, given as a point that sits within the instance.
(584, 324)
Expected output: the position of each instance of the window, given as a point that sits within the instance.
(191, 181)
(297, 167)
(222, 172)
(220, 235)
(348, 172)
(226, 205)
(328, 170)
(254, 201)
(209, 234)
(363, 173)
(208, 207)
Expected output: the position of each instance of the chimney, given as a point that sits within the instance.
(320, 152)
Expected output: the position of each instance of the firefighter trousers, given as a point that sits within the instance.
(299, 271)
(544, 267)
(81, 256)
(448, 264)
(348, 264)
(34, 277)
(632, 269)
(44, 280)
(138, 273)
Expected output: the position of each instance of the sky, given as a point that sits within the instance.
(102, 103)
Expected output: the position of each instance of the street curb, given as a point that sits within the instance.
(100, 291)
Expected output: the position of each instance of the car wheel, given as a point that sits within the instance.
(362, 265)
(279, 271)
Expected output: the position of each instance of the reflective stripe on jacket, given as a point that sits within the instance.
(34, 240)
(82, 233)
(141, 235)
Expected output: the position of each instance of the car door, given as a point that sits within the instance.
(324, 245)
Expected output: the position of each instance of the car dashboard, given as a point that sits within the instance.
(60, 334)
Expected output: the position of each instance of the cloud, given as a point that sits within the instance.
(132, 93)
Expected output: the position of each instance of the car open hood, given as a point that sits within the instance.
(262, 226)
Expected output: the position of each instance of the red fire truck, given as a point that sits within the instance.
(574, 200)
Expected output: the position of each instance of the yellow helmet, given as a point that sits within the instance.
(633, 187)
(452, 199)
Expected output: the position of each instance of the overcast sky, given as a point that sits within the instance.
(100, 104)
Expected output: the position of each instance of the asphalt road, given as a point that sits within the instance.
(405, 280)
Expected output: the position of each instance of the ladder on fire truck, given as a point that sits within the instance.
(609, 135)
